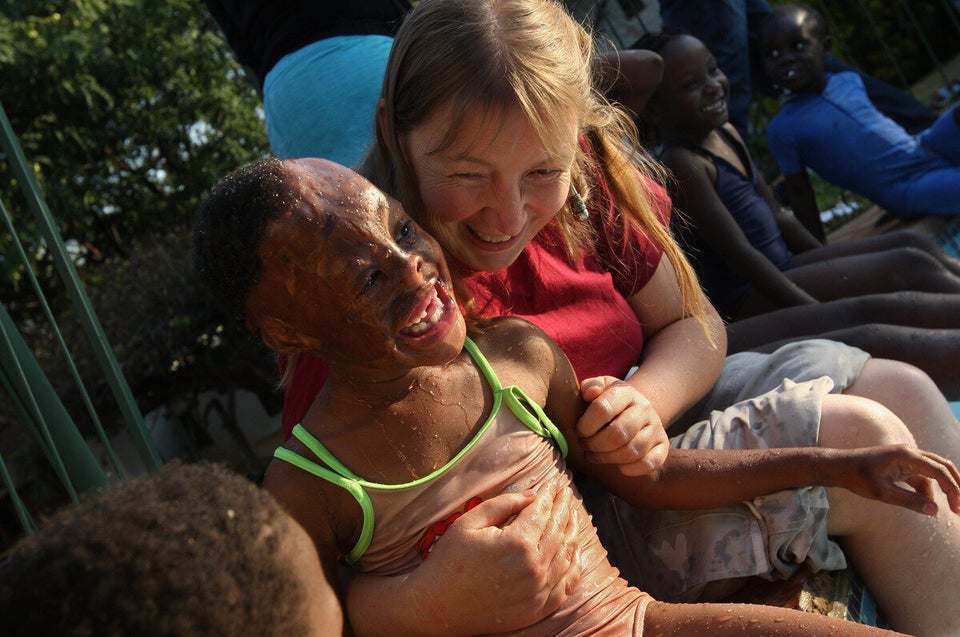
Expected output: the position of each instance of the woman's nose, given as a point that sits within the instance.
(506, 212)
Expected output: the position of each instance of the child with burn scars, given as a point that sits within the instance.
(426, 414)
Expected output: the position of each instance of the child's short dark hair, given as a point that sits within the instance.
(810, 14)
(188, 550)
(230, 227)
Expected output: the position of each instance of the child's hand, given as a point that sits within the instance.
(873, 472)
(620, 427)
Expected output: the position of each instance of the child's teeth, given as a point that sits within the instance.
(420, 325)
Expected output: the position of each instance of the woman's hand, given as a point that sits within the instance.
(503, 565)
(878, 473)
(621, 427)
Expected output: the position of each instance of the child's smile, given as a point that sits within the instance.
(692, 99)
(348, 276)
(427, 315)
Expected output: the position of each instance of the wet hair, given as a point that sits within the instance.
(187, 550)
(230, 228)
(810, 16)
(492, 56)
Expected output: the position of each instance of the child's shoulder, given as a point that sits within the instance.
(511, 337)
(505, 330)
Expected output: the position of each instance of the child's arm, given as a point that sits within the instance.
(803, 201)
(697, 197)
(747, 620)
(708, 478)
(629, 77)
(798, 238)
(305, 498)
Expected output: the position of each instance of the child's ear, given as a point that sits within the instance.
(827, 43)
(282, 338)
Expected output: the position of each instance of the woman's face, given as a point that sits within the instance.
(489, 192)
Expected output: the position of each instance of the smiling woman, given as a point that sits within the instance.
(495, 195)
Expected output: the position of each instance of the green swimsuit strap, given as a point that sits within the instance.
(340, 476)
(335, 472)
(526, 410)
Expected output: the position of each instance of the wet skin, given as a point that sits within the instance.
(369, 291)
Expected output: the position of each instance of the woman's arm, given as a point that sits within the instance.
(681, 362)
(625, 421)
(698, 198)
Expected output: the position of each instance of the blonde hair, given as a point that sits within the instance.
(493, 56)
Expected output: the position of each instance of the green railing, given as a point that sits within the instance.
(54, 429)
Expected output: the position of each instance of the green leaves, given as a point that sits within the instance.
(128, 111)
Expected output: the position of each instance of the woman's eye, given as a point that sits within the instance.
(546, 174)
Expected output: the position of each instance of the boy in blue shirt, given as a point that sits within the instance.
(829, 124)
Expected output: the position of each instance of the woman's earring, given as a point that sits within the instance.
(577, 206)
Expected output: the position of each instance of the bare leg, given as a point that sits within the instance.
(919, 328)
(935, 351)
(879, 243)
(875, 272)
(740, 620)
(912, 309)
(910, 394)
(908, 560)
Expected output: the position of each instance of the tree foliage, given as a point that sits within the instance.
(128, 111)
(889, 40)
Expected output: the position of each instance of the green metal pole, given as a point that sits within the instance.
(58, 435)
(68, 273)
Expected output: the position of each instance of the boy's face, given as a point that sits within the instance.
(793, 52)
(348, 276)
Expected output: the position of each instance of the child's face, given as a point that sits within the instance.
(693, 95)
(793, 52)
(347, 275)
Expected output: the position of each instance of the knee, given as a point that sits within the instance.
(883, 377)
(851, 421)
(911, 266)
(910, 239)
(905, 389)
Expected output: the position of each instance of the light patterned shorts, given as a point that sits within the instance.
(674, 555)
